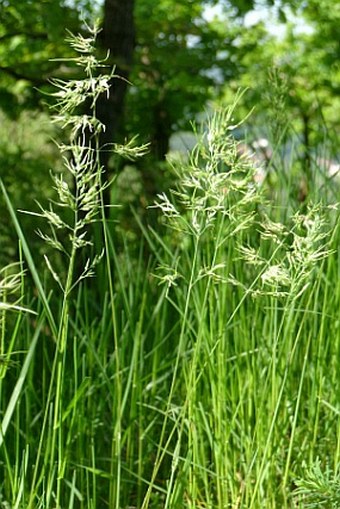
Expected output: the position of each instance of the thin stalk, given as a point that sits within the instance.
(161, 450)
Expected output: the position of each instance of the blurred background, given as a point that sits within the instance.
(179, 59)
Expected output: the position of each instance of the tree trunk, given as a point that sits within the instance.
(118, 37)
(307, 145)
(307, 162)
(162, 131)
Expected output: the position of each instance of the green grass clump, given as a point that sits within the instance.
(201, 375)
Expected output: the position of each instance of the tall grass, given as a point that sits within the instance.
(202, 376)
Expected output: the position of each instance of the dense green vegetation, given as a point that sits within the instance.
(169, 330)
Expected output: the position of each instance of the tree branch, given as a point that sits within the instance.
(21, 76)
(30, 35)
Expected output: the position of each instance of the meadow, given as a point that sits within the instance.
(195, 367)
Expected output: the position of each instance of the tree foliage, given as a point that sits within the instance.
(177, 59)
(31, 34)
(182, 58)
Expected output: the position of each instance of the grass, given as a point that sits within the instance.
(203, 375)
